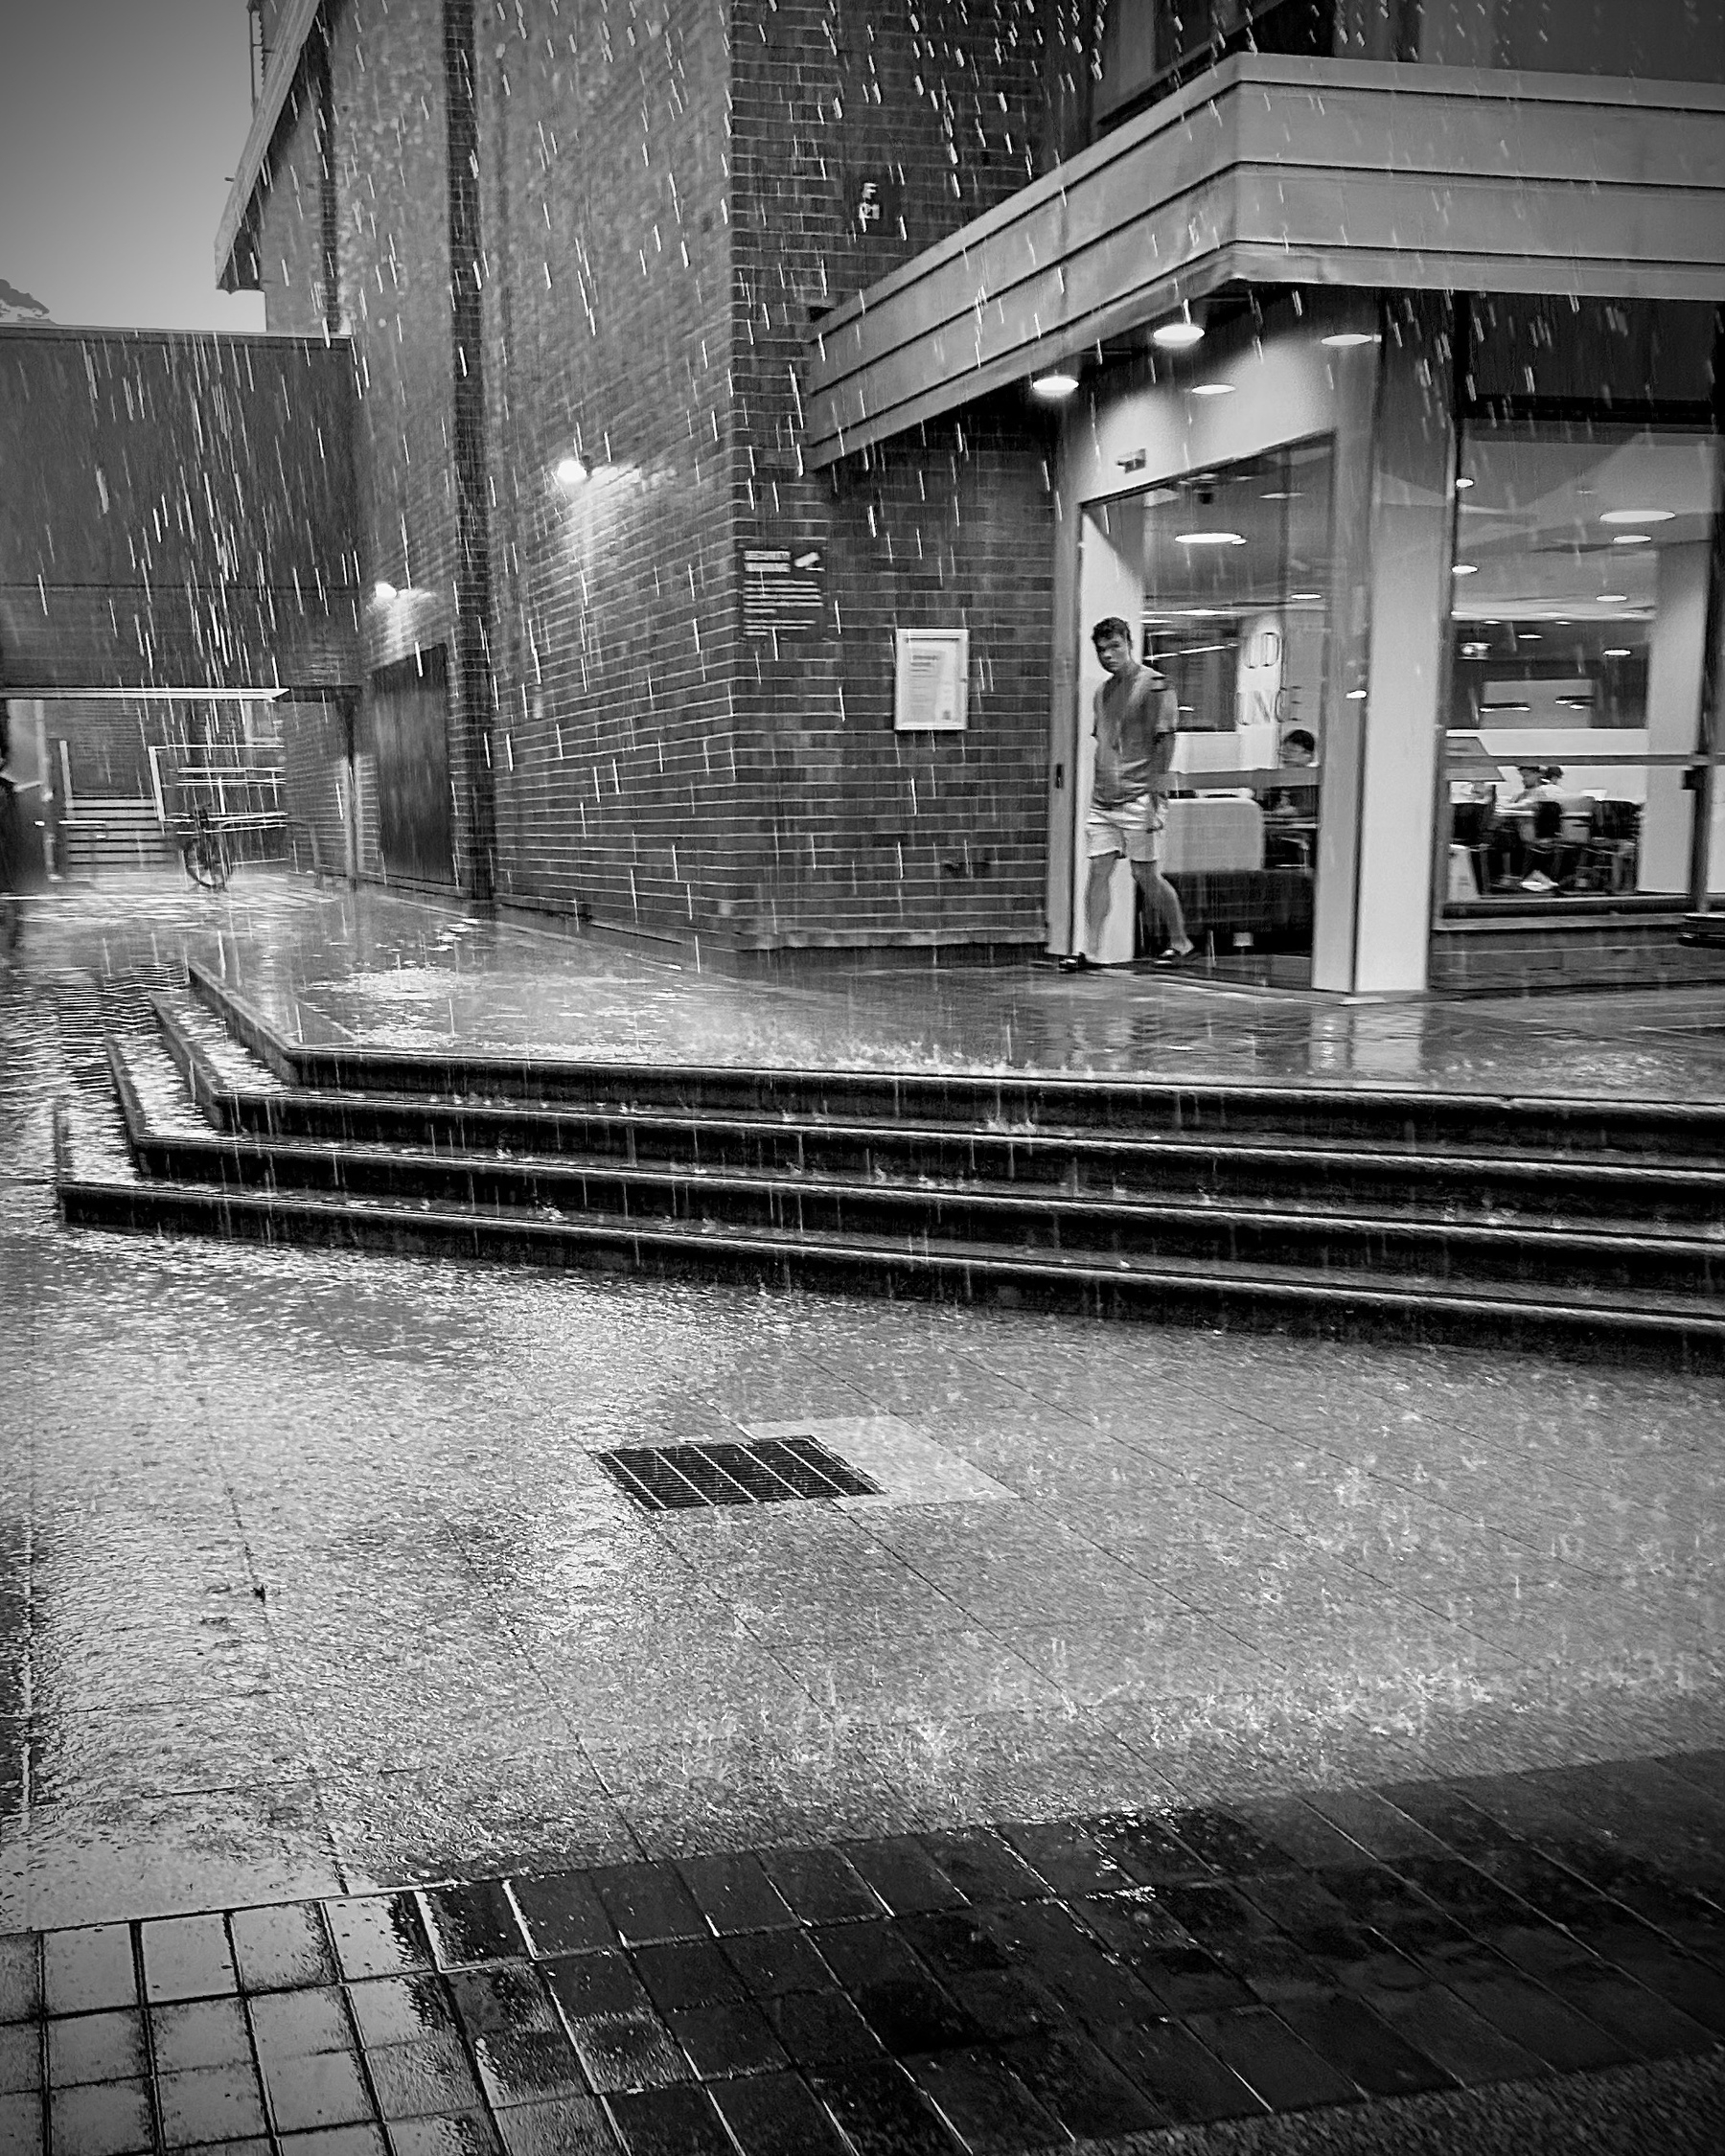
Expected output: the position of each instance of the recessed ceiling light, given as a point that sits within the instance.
(1209, 539)
(1212, 389)
(1637, 516)
(1465, 570)
(570, 471)
(1346, 340)
(1177, 336)
(1529, 637)
(1055, 385)
(1632, 539)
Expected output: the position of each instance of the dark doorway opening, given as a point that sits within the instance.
(404, 739)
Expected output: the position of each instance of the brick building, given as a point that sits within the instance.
(578, 250)
(678, 360)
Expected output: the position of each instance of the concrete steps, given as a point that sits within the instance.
(1425, 1213)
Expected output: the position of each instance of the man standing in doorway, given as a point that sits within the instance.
(1136, 718)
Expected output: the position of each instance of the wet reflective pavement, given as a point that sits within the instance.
(1012, 1987)
(313, 1586)
(392, 971)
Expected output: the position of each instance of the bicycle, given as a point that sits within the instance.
(205, 853)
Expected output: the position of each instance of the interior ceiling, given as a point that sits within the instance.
(1277, 504)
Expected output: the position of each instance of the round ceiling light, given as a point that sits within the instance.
(1055, 385)
(1209, 539)
(1637, 516)
(1618, 651)
(1614, 598)
(1212, 389)
(1177, 336)
(1347, 340)
(1633, 539)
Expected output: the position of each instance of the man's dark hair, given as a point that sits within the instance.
(1299, 738)
(1111, 625)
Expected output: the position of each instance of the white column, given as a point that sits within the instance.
(1676, 657)
(1411, 550)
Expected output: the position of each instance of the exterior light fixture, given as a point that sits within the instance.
(1614, 598)
(1356, 696)
(1348, 340)
(1637, 516)
(383, 592)
(570, 471)
(1462, 485)
(1209, 539)
(1055, 386)
(1177, 336)
(1304, 598)
(1212, 389)
(1465, 570)
(1618, 651)
(1632, 539)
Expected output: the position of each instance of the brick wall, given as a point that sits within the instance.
(178, 510)
(668, 190)
(387, 166)
(622, 784)
(935, 117)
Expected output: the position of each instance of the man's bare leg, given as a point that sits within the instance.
(1162, 903)
(1095, 900)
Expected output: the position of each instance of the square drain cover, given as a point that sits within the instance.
(758, 1470)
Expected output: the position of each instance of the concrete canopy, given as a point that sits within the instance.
(1289, 171)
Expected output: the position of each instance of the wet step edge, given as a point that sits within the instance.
(1018, 1098)
(1143, 1288)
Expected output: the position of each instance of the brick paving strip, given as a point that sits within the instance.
(1013, 1986)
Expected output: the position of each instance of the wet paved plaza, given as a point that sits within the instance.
(316, 1596)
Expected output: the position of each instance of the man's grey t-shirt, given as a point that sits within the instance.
(1133, 713)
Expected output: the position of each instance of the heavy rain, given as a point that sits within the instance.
(862, 1076)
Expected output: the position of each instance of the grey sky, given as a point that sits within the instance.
(120, 121)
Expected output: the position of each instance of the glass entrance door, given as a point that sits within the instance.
(1226, 577)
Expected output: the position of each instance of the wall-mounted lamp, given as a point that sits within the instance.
(383, 592)
(570, 471)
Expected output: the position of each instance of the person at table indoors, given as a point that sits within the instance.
(1299, 749)
(1135, 719)
(1291, 811)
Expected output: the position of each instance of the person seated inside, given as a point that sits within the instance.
(1294, 808)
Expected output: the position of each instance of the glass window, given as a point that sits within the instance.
(1232, 566)
(1149, 47)
(1578, 624)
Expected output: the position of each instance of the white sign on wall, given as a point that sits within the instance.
(931, 690)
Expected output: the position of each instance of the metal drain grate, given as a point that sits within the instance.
(764, 1471)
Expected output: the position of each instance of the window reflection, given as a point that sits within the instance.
(1578, 619)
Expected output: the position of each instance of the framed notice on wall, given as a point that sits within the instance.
(931, 693)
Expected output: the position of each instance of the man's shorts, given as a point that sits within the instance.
(1133, 828)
